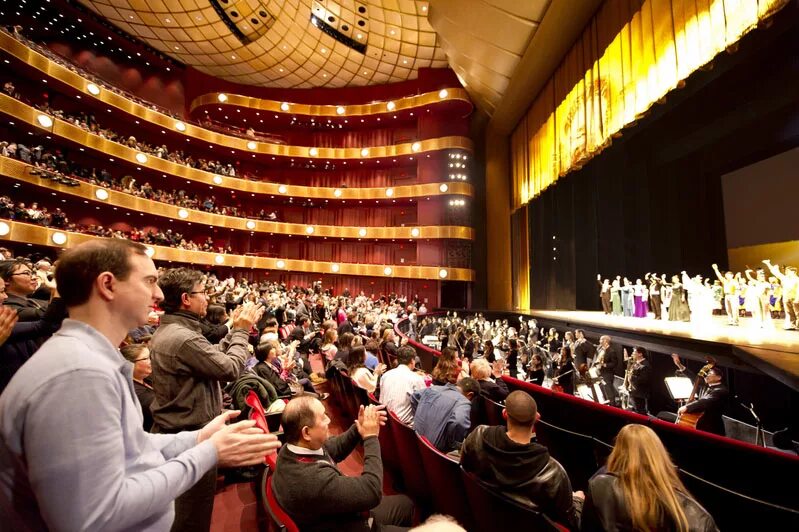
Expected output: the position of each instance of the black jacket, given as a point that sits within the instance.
(271, 375)
(605, 508)
(212, 332)
(713, 404)
(28, 309)
(497, 390)
(526, 473)
(613, 363)
(641, 380)
(583, 350)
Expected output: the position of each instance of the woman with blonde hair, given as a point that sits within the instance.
(639, 489)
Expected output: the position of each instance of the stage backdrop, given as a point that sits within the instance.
(653, 200)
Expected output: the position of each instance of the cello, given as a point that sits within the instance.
(690, 419)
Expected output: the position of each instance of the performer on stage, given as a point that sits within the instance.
(712, 399)
(627, 298)
(641, 299)
(760, 293)
(609, 360)
(604, 293)
(790, 293)
(678, 309)
(654, 294)
(615, 296)
(732, 289)
(640, 381)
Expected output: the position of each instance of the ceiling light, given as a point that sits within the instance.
(415, 232)
(183, 213)
(281, 264)
(4, 229)
(335, 268)
(442, 273)
(309, 230)
(59, 238)
(391, 106)
(101, 194)
(339, 110)
(222, 97)
(250, 224)
(180, 126)
(443, 187)
(416, 146)
(251, 145)
(218, 179)
(389, 192)
(141, 158)
(359, 36)
(219, 259)
(387, 270)
(284, 107)
(282, 189)
(44, 120)
(313, 152)
(362, 232)
(365, 152)
(93, 89)
(337, 193)
(149, 251)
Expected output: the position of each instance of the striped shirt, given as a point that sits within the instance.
(396, 387)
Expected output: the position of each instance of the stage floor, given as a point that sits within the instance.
(772, 344)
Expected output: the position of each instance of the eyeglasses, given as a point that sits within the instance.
(193, 292)
(140, 359)
(26, 272)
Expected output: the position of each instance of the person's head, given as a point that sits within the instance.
(565, 355)
(270, 324)
(439, 523)
(448, 353)
(331, 335)
(184, 289)
(406, 355)
(356, 357)
(469, 387)
(352, 317)
(480, 369)
(537, 361)
(729, 276)
(579, 333)
(648, 478)
(714, 375)
(345, 340)
(216, 314)
(19, 278)
(139, 356)
(675, 279)
(790, 271)
(639, 353)
(305, 422)
(388, 335)
(357, 340)
(521, 411)
(604, 340)
(112, 279)
(304, 322)
(266, 352)
(568, 336)
(761, 275)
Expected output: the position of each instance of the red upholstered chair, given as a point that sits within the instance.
(446, 486)
(493, 411)
(413, 473)
(279, 519)
(258, 416)
(493, 511)
(388, 448)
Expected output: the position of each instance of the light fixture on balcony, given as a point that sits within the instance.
(4, 229)
(337, 193)
(183, 213)
(313, 152)
(218, 179)
(180, 126)
(252, 145)
(149, 251)
(222, 97)
(362, 232)
(443, 273)
(416, 146)
(219, 259)
(309, 230)
(281, 264)
(339, 110)
(389, 192)
(391, 106)
(141, 158)
(44, 120)
(415, 232)
(365, 152)
(93, 89)
(284, 107)
(443, 187)
(443, 93)
(101, 194)
(250, 224)
(387, 270)
(282, 189)
(59, 238)
(335, 268)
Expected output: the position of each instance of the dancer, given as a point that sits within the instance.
(604, 293)
(758, 297)
(615, 297)
(790, 293)
(732, 289)
(655, 286)
(627, 298)
(640, 299)
(678, 309)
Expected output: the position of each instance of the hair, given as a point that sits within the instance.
(388, 332)
(440, 523)
(8, 266)
(303, 320)
(567, 352)
(579, 331)
(262, 351)
(296, 416)
(269, 324)
(357, 340)
(480, 369)
(345, 340)
(641, 350)
(405, 355)
(648, 479)
(448, 353)
(79, 267)
(521, 408)
(372, 346)
(330, 336)
(537, 357)
(355, 358)
(175, 283)
(132, 352)
(215, 314)
(446, 370)
(716, 370)
(469, 385)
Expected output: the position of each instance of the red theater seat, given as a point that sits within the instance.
(388, 448)
(279, 519)
(410, 459)
(444, 478)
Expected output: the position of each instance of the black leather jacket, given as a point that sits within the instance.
(525, 473)
(605, 508)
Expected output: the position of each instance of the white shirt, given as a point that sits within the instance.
(396, 387)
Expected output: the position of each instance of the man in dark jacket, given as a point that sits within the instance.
(711, 403)
(512, 461)
(611, 363)
(306, 471)
(640, 381)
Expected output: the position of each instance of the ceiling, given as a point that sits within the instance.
(287, 50)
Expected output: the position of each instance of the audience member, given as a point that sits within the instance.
(398, 384)
(125, 478)
(639, 489)
(511, 460)
(442, 414)
(21, 283)
(495, 389)
(139, 356)
(363, 376)
(267, 368)
(309, 486)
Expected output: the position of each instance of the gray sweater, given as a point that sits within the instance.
(318, 497)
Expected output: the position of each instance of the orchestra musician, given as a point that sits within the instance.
(583, 349)
(564, 374)
(712, 399)
(640, 381)
(610, 363)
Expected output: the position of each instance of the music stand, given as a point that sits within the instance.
(680, 388)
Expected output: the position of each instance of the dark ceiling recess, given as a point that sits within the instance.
(248, 21)
(340, 37)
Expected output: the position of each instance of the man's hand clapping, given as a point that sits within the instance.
(370, 418)
(249, 314)
(239, 444)
(8, 318)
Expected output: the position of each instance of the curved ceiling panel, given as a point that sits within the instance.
(277, 43)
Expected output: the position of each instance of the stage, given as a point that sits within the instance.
(771, 350)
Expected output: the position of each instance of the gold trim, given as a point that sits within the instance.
(34, 234)
(111, 98)
(331, 111)
(19, 171)
(21, 111)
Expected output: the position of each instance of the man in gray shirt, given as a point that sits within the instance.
(73, 455)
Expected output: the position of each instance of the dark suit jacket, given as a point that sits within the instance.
(712, 404)
(582, 352)
(497, 390)
(27, 309)
(614, 363)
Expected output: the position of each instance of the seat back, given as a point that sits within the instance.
(492, 510)
(446, 486)
(410, 459)
(493, 411)
(260, 421)
(388, 448)
(278, 517)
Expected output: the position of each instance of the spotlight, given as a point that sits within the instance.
(284, 107)
(387, 270)
(180, 126)
(391, 106)
(442, 273)
(101, 194)
(222, 97)
(339, 110)
(443, 93)
(365, 152)
(93, 89)
(141, 158)
(416, 146)
(59, 238)
(219, 259)
(334, 268)
(45, 120)
(443, 187)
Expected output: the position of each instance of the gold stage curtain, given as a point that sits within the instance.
(630, 55)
